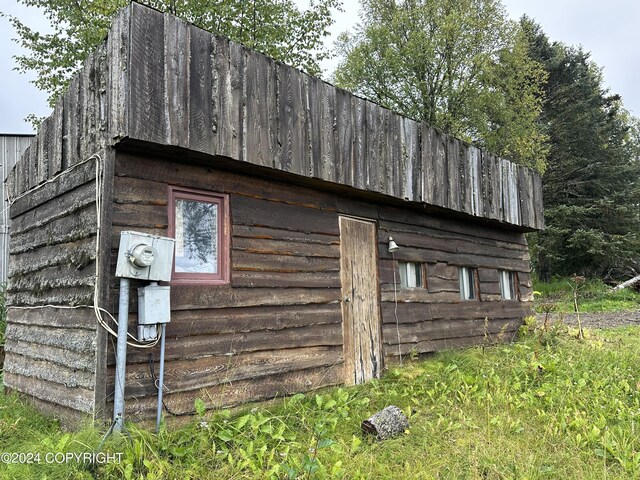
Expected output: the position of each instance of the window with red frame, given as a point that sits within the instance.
(198, 220)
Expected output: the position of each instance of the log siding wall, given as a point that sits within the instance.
(57, 355)
(51, 352)
(276, 328)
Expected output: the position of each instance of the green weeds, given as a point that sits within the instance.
(593, 296)
(548, 406)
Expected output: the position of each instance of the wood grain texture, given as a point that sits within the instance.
(75, 339)
(360, 301)
(11, 184)
(159, 170)
(78, 398)
(52, 354)
(182, 82)
(201, 98)
(345, 125)
(77, 226)
(234, 393)
(146, 102)
(21, 170)
(159, 80)
(412, 186)
(189, 375)
(416, 333)
(51, 278)
(65, 205)
(224, 345)
(184, 298)
(44, 139)
(74, 178)
(52, 372)
(177, 41)
(392, 352)
(261, 144)
(250, 211)
(537, 194)
(252, 319)
(117, 114)
(56, 139)
(285, 257)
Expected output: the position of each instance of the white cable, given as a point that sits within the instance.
(96, 308)
(51, 180)
(10, 201)
(99, 311)
(395, 306)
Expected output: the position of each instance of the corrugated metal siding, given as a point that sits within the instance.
(11, 149)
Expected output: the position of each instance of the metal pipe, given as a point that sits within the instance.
(121, 355)
(163, 332)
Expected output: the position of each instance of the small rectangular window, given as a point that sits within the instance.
(508, 285)
(198, 221)
(467, 276)
(410, 275)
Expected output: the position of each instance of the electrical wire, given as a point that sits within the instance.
(96, 301)
(101, 321)
(11, 201)
(164, 404)
(395, 306)
(98, 311)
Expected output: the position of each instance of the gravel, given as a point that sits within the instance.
(596, 320)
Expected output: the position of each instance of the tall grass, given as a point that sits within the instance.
(545, 407)
(594, 296)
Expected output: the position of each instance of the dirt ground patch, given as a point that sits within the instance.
(596, 320)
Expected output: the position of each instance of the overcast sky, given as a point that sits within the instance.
(609, 30)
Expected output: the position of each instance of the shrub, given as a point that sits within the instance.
(594, 296)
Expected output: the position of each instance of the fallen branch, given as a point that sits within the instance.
(626, 284)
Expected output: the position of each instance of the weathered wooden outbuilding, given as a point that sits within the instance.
(298, 185)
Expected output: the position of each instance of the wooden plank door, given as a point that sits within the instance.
(360, 300)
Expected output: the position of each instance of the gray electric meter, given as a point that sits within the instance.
(145, 257)
(142, 256)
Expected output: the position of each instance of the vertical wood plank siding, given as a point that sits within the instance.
(193, 89)
(277, 328)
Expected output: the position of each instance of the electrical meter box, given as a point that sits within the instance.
(153, 308)
(145, 257)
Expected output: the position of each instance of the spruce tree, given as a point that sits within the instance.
(591, 187)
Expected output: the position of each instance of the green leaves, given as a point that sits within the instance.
(274, 27)
(78, 27)
(200, 407)
(458, 65)
(523, 410)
